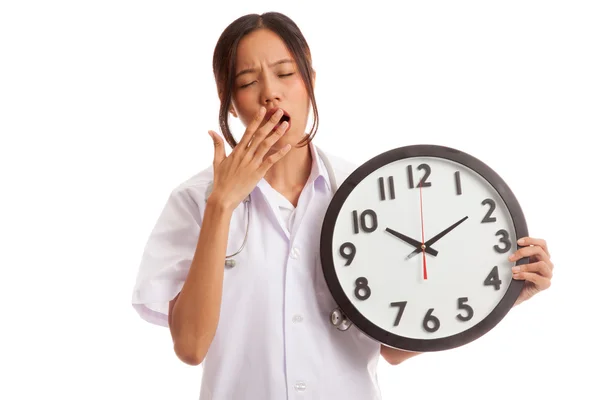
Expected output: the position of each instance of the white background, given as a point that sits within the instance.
(104, 108)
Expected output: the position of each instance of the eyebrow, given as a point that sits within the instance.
(250, 70)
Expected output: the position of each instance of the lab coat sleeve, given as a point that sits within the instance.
(167, 256)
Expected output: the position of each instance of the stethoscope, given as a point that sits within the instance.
(337, 317)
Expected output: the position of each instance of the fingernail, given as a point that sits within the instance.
(516, 269)
(521, 241)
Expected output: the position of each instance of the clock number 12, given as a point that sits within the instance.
(423, 182)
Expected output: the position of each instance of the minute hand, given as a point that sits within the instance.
(437, 237)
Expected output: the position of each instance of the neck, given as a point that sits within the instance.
(289, 175)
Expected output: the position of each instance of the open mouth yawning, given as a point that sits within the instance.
(285, 117)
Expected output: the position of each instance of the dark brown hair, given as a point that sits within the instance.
(225, 54)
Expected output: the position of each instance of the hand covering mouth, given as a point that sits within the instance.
(285, 117)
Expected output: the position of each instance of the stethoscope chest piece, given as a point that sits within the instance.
(339, 320)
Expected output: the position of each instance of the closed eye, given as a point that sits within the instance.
(248, 84)
(281, 76)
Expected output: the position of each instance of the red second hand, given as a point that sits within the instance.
(422, 232)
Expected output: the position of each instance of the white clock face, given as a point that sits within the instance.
(378, 258)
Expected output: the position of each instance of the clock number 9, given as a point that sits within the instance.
(362, 283)
(348, 256)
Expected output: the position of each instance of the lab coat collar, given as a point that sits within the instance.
(318, 172)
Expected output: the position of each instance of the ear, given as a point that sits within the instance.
(232, 111)
(314, 77)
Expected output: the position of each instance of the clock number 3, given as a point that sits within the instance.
(504, 240)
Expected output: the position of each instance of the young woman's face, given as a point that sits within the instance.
(266, 75)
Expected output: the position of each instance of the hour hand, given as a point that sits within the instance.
(413, 242)
(439, 236)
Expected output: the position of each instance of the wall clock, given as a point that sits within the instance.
(415, 246)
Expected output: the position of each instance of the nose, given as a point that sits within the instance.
(270, 91)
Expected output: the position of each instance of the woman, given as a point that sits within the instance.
(261, 327)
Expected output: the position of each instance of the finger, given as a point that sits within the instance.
(540, 268)
(268, 143)
(261, 134)
(252, 127)
(529, 241)
(219, 147)
(539, 281)
(272, 159)
(264, 131)
(530, 251)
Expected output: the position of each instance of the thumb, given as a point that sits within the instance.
(219, 147)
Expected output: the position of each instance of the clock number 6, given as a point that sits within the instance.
(362, 283)
(429, 317)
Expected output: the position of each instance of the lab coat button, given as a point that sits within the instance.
(295, 253)
(300, 386)
(297, 318)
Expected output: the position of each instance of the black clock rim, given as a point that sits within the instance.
(339, 296)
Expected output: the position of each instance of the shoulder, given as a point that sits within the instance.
(195, 188)
(342, 167)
